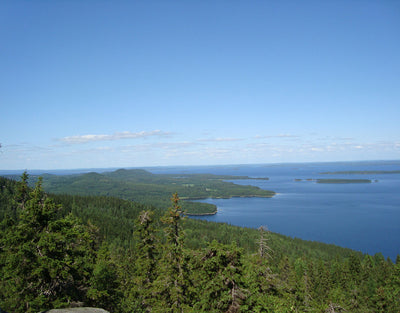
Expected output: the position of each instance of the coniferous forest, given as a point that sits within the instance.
(61, 250)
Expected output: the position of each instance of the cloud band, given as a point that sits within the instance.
(116, 136)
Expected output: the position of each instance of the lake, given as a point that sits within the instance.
(363, 217)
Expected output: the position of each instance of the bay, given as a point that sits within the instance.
(363, 217)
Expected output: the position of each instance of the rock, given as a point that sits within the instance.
(78, 310)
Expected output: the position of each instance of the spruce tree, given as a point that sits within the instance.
(104, 283)
(220, 272)
(173, 285)
(45, 261)
(139, 290)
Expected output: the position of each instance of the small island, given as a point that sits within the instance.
(343, 181)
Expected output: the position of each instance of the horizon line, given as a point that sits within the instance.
(192, 165)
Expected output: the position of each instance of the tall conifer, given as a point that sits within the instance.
(46, 262)
(174, 282)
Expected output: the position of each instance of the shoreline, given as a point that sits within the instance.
(228, 197)
(201, 214)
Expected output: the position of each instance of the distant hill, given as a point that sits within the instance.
(142, 186)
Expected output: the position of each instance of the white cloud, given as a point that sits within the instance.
(219, 139)
(276, 136)
(158, 145)
(116, 136)
(316, 149)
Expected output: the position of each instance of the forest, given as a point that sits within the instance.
(105, 250)
(141, 186)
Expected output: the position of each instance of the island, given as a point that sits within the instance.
(343, 181)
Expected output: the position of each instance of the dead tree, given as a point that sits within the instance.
(264, 250)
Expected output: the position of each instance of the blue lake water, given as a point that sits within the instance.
(363, 217)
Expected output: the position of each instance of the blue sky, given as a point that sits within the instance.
(148, 83)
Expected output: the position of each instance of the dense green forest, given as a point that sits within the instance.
(58, 250)
(155, 189)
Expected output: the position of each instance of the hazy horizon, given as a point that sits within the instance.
(35, 171)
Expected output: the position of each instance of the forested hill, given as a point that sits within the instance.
(142, 186)
(123, 256)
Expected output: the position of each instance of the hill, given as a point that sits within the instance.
(155, 189)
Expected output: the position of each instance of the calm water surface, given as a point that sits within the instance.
(364, 217)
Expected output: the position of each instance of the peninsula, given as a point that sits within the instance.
(155, 189)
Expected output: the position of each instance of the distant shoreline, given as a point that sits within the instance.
(360, 172)
(336, 180)
(201, 214)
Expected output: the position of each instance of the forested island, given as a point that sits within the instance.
(343, 181)
(62, 250)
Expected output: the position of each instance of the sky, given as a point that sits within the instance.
(99, 84)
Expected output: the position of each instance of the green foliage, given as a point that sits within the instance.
(130, 257)
(173, 285)
(220, 274)
(104, 284)
(45, 261)
(139, 292)
(144, 187)
(8, 209)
